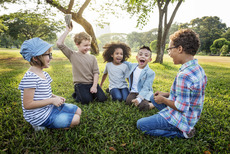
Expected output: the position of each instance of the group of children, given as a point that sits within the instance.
(179, 110)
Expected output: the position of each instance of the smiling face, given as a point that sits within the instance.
(143, 57)
(117, 56)
(46, 59)
(84, 46)
(174, 53)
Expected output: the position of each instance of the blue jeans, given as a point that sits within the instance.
(84, 95)
(119, 94)
(156, 125)
(61, 117)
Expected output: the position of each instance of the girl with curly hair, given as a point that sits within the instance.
(115, 53)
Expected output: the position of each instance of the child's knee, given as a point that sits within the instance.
(75, 121)
(79, 111)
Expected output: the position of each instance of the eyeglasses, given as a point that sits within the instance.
(50, 55)
(168, 49)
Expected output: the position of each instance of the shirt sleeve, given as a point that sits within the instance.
(106, 69)
(65, 50)
(95, 66)
(183, 91)
(28, 81)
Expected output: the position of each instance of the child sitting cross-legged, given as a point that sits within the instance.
(41, 108)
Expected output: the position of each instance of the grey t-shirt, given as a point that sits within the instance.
(117, 75)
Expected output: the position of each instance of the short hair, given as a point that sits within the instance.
(40, 60)
(110, 48)
(81, 36)
(147, 48)
(188, 39)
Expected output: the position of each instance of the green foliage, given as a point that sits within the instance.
(153, 46)
(111, 37)
(217, 45)
(209, 29)
(26, 25)
(109, 126)
(225, 50)
(226, 34)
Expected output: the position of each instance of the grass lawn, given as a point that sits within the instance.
(110, 127)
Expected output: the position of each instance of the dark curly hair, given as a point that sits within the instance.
(188, 39)
(110, 48)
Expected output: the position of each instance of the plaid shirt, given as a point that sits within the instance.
(187, 92)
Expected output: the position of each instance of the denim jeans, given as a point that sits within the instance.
(119, 94)
(84, 95)
(61, 117)
(156, 125)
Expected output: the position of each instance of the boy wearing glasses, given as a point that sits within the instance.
(180, 109)
(84, 67)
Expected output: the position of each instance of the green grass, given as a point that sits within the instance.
(110, 127)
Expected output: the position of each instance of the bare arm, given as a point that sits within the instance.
(29, 103)
(61, 39)
(103, 79)
(93, 89)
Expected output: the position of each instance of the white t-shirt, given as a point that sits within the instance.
(117, 75)
(42, 91)
(136, 75)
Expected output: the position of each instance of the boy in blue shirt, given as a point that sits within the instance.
(140, 80)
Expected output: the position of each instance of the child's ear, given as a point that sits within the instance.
(180, 49)
(34, 58)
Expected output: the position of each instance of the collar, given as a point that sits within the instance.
(189, 63)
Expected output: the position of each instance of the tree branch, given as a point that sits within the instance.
(83, 7)
(57, 5)
(70, 6)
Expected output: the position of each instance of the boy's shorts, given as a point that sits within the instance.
(61, 117)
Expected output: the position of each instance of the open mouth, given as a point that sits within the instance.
(142, 61)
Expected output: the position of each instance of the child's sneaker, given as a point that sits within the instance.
(191, 134)
(38, 128)
(144, 106)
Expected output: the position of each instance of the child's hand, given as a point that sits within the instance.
(58, 101)
(159, 99)
(93, 89)
(135, 102)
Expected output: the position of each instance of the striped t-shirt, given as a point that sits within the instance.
(42, 91)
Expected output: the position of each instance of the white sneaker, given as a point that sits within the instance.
(38, 128)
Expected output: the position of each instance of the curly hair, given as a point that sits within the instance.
(110, 48)
(81, 36)
(188, 39)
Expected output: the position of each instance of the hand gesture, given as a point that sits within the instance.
(58, 101)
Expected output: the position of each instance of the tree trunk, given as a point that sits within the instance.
(77, 17)
(162, 35)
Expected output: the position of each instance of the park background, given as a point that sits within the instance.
(111, 126)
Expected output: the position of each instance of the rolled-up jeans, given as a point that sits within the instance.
(156, 125)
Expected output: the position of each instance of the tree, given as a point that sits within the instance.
(26, 25)
(217, 45)
(226, 34)
(77, 9)
(144, 8)
(111, 37)
(209, 29)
